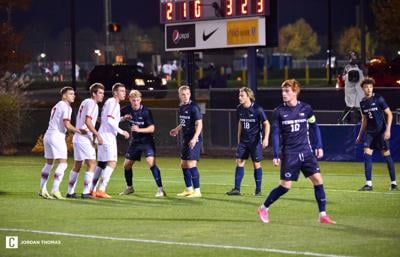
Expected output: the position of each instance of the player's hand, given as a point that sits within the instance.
(386, 135)
(127, 117)
(265, 143)
(358, 140)
(99, 139)
(125, 134)
(192, 143)
(276, 162)
(319, 153)
(82, 131)
(135, 128)
(173, 133)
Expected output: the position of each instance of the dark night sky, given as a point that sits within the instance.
(145, 13)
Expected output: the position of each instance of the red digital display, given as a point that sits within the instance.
(175, 11)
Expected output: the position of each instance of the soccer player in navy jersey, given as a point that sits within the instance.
(292, 121)
(374, 109)
(191, 124)
(253, 133)
(142, 141)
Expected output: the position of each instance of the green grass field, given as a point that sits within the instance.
(215, 225)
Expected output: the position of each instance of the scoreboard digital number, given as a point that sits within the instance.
(176, 11)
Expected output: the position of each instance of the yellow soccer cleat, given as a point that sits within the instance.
(57, 195)
(194, 195)
(43, 193)
(186, 193)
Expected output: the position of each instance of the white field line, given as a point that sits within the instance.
(162, 242)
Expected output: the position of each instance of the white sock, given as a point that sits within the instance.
(73, 179)
(394, 182)
(197, 190)
(322, 213)
(105, 178)
(369, 183)
(263, 207)
(189, 189)
(58, 176)
(87, 183)
(96, 176)
(45, 175)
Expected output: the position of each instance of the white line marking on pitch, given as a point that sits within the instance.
(228, 247)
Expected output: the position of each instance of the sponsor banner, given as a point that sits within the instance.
(180, 36)
(211, 34)
(242, 32)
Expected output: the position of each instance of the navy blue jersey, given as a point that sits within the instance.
(373, 108)
(141, 118)
(292, 124)
(251, 121)
(188, 115)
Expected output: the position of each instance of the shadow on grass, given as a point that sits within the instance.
(177, 219)
(365, 232)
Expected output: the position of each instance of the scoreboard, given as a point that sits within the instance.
(178, 11)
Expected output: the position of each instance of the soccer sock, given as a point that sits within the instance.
(128, 177)
(96, 176)
(58, 176)
(105, 178)
(368, 167)
(187, 177)
(390, 165)
(157, 175)
(239, 173)
(73, 179)
(45, 175)
(195, 177)
(320, 197)
(87, 182)
(275, 194)
(258, 178)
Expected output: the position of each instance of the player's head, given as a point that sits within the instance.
(368, 86)
(184, 94)
(246, 95)
(290, 90)
(67, 94)
(135, 97)
(119, 91)
(97, 92)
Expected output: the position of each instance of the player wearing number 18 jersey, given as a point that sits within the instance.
(291, 122)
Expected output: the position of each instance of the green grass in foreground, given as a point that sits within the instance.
(368, 222)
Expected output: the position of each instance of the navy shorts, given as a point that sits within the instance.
(253, 149)
(191, 154)
(376, 141)
(135, 150)
(293, 163)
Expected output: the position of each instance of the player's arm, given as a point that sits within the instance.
(362, 128)
(174, 132)
(70, 127)
(239, 131)
(266, 133)
(114, 123)
(318, 139)
(89, 125)
(389, 120)
(199, 126)
(275, 139)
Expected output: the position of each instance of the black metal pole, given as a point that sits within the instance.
(190, 73)
(362, 29)
(73, 47)
(252, 68)
(329, 52)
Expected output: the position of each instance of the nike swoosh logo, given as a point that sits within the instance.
(206, 37)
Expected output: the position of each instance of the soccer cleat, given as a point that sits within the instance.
(257, 192)
(57, 195)
(127, 191)
(234, 191)
(71, 195)
(102, 194)
(186, 193)
(366, 188)
(393, 187)
(326, 220)
(93, 194)
(263, 214)
(43, 193)
(161, 194)
(194, 195)
(86, 196)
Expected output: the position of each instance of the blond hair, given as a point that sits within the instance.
(249, 93)
(184, 87)
(135, 94)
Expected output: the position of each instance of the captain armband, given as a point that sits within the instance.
(312, 119)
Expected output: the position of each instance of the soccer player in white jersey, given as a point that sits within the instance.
(109, 128)
(55, 147)
(84, 149)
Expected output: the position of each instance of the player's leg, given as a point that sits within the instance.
(194, 156)
(391, 169)
(44, 177)
(128, 174)
(73, 178)
(187, 177)
(151, 162)
(88, 178)
(256, 156)
(367, 169)
(110, 156)
(58, 176)
(101, 165)
(242, 154)
(320, 196)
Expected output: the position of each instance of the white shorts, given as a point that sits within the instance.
(107, 152)
(84, 150)
(55, 146)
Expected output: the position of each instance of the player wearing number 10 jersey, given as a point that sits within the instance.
(291, 122)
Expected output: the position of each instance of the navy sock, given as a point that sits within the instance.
(368, 166)
(187, 177)
(128, 177)
(239, 173)
(320, 197)
(390, 165)
(275, 194)
(157, 175)
(258, 178)
(195, 177)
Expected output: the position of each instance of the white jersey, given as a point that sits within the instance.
(87, 109)
(60, 112)
(110, 118)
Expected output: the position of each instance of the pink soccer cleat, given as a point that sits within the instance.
(263, 214)
(325, 219)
